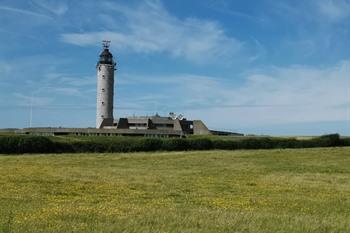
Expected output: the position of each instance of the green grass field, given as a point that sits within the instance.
(306, 190)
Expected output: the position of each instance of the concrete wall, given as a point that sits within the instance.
(199, 128)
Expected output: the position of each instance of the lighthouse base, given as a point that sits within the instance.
(104, 122)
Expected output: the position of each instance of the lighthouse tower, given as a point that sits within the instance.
(105, 87)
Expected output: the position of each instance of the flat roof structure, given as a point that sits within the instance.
(99, 132)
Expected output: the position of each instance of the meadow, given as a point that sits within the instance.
(293, 190)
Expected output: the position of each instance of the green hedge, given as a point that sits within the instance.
(26, 144)
(119, 145)
(36, 144)
(345, 142)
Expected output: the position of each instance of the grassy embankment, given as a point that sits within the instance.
(304, 190)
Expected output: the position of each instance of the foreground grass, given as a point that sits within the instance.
(305, 190)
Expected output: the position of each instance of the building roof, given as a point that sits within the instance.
(106, 53)
(106, 57)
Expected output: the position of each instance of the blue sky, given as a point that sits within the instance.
(262, 66)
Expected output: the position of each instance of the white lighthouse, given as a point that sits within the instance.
(105, 88)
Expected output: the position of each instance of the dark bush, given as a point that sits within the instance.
(118, 145)
(134, 144)
(256, 143)
(224, 144)
(282, 143)
(89, 147)
(200, 144)
(26, 144)
(121, 146)
(151, 144)
(221, 145)
(35, 144)
(345, 142)
(8, 145)
(174, 144)
(63, 147)
(330, 140)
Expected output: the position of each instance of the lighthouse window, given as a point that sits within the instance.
(103, 103)
(103, 90)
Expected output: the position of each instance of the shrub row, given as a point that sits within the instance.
(26, 144)
(37, 144)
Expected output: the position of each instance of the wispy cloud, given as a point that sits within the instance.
(310, 94)
(23, 12)
(27, 100)
(5, 69)
(66, 91)
(335, 9)
(47, 88)
(314, 11)
(150, 28)
(70, 80)
(275, 95)
(54, 7)
(223, 7)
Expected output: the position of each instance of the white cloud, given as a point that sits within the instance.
(55, 7)
(277, 95)
(149, 28)
(23, 12)
(66, 91)
(70, 80)
(39, 81)
(289, 95)
(224, 7)
(79, 81)
(335, 9)
(5, 69)
(35, 101)
(316, 12)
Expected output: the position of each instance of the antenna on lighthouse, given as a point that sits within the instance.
(106, 44)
